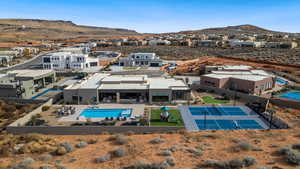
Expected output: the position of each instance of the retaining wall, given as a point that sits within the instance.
(22, 121)
(86, 130)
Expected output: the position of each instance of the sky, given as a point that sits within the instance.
(158, 16)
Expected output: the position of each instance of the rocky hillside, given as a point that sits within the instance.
(240, 29)
(28, 29)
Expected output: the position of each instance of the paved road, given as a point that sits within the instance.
(35, 61)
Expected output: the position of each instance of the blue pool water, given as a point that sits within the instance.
(217, 111)
(103, 113)
(294, 95)
(227, 124)
(45, 92)
(281, 81)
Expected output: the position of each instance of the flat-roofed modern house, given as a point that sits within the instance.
(25, 83)
(253, 81)
(106, 88)
(141, 59)
(68, 60)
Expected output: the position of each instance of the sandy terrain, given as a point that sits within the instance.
(218, 145)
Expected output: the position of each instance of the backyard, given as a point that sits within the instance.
(211, 100)
(174, 120)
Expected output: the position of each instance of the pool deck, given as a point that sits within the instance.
(137, 110)
(191, 125)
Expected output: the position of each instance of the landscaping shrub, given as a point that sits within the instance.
(103, 159)
(45, 108)
(118, 152)
(157, 140)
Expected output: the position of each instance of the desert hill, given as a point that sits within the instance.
(35, 29)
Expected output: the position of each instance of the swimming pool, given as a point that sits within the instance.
(281, 81)
(294, 95)
(217, 111)
(46, 92)
(103, 113)
(227, 124)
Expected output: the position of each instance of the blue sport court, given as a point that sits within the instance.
(221, 118)
(293, 95)
(103, 113)
(217, 111)
(227, 124)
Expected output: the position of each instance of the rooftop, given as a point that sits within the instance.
(128, 82)
(30, 73)
(252, 75)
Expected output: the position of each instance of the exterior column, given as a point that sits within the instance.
(118, 97)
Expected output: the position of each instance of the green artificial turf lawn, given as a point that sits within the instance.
(155, 118)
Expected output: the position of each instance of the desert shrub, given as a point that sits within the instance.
(283, 150)
(60, 151)
(293, 157)
(235, 163)
(171, 161)
(249, 161)
(242, 146)
(296, 146)
(195, 152)
(46, 157)
(173, 148)
(129, 133)
(145, 165)
(92, 141)
(103, 159)
(45, 108)
(26, 163)
(119, 140)
(46, 166)
(81, 144)
(256, 148)
(68, 146)
(120, 152)
(9, 108)
(212, 136)
(165, 153)
(157, 140)
(60, 166)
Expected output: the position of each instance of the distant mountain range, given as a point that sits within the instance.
(23, 29)
(239, 29)
(35, 29)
